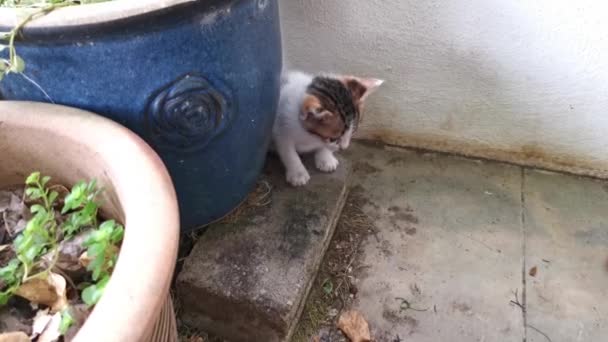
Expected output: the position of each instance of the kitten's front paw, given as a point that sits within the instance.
(326, 162)
(298, 177)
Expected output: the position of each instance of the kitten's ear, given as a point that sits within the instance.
(361, 88)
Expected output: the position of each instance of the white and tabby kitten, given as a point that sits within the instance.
(317, 114)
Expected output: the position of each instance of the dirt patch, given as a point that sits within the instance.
(298, 230)
(410, 231)
(400, 319)
(334, 290)
(385, 249)
(462, 307)
(403, 214)
(261, 196)
(365, 168)
(396, 160)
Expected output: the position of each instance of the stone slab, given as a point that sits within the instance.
(247, 280)
(566, 221)
(449, 242)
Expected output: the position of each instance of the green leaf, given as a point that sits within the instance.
(45, 180)
(17, 64)
(97, 253)
(66, 321)
(5, 296)
(117, 234)
(8, 273)
(91, 186)
(33, 252)
(75, 198)
(37, 208)
(33, 178)
(52, 197)
(328, 287)
(33, 193)
(90, 211)
(107, 226)
(92, 294)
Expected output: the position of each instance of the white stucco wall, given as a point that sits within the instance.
(518, 80)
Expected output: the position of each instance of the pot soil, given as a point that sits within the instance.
(73, 145)
(56, 254)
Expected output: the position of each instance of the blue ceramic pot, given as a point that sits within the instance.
(198, 80)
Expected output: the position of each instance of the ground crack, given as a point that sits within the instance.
(522, 215)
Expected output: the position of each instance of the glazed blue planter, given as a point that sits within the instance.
(198, 80)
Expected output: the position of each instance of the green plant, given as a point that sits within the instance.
(33, 9)
(101, 248)
(48, 227)
(66, 321)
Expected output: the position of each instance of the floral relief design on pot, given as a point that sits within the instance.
(187, 114)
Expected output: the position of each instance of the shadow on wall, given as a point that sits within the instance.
(519, 82)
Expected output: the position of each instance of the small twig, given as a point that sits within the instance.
(405, 305)
(539, 331)
(30, 80)
(60, 187)
(69, 280)
(516, 301)
(6, 227)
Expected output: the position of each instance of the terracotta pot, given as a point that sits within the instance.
(70, 145)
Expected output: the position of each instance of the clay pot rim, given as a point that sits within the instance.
(142, 277)
(90, 14)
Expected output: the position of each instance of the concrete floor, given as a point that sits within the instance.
(463, 241)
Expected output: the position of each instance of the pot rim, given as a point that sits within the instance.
(89, 14)
(141, 280)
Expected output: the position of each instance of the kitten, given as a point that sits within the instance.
(317, 114)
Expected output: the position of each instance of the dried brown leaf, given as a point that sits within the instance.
(84, 260)
(38, 290)
(51, 332)
(16, 203)
(533, 271)
(14, 337)
(19, 227)
(69, 255)
(50, 291)
(195, 339)
(354, 326)
(13, 213)
(5, 199)
(41, 321)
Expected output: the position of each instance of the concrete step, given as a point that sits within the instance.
(247, 278)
